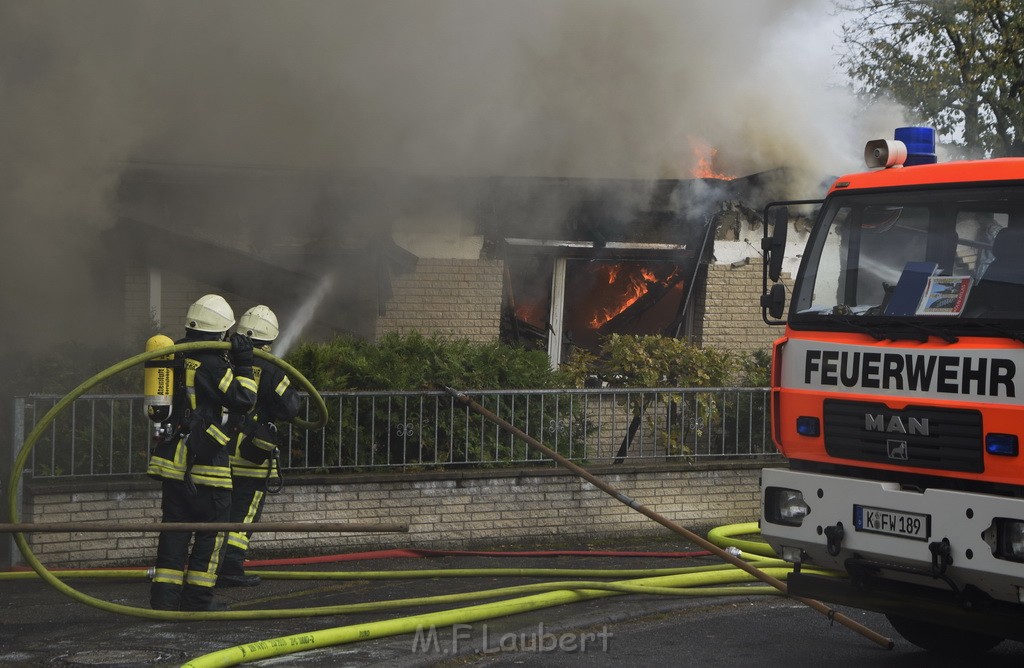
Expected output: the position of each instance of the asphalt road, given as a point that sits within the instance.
(39, 626)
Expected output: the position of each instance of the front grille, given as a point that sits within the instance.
(918, 436)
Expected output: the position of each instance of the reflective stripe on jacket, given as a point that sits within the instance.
(276, 400)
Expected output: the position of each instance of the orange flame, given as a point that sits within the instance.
(636, 285)
(704, 155)
(532, 313)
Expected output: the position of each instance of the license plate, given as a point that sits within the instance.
(892, 522)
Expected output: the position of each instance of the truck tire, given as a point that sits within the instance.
(944, 639)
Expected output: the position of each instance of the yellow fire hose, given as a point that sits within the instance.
(60, 406)
(562, 593)
(692, 581)
(831, 613)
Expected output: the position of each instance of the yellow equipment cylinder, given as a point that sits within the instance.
(159, 381)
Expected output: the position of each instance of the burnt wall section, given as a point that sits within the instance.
(732, 308)
(444, 510)
(457, 298)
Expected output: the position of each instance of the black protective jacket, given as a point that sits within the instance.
(210, 400)
(277, 401)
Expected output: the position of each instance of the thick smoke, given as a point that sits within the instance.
(588, 88)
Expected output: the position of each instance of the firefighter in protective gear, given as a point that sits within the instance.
(214, 390)
(254, 458)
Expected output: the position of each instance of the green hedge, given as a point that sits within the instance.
(418, 362)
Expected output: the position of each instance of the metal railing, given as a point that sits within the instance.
(101, 435)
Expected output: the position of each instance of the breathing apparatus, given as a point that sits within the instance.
(159, 381)
(158, 387)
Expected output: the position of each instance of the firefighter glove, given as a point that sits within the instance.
(241, 350)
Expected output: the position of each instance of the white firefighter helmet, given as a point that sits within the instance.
(259, 323)
(210, 313)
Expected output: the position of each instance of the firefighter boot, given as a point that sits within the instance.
(243, 580)
(164, 596)
(197, 598)
(232, 570)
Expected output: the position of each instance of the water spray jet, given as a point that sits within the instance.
(298, 322)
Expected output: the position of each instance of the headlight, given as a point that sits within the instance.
(1009, 538)
(785, 506)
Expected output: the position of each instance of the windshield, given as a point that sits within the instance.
(934, 256)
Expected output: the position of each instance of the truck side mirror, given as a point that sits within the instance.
(775, 247)
(775, 301)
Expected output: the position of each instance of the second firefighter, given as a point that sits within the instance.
(254, 454)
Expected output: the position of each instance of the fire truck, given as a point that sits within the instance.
(895, 396)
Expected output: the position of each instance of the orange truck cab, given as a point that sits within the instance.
(896, 397)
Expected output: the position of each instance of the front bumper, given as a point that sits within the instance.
(953, 559)
(941, 607)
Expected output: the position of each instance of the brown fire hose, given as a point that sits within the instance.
(831, 613)
(155, 527)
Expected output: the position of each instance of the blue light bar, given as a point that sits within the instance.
(808, 426)
(920, 143)
(1001, 444)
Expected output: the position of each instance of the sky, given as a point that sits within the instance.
(580, 88)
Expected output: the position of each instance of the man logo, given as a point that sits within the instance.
(894, 424)
(897, 450)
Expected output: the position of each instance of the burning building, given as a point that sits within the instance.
(552, 263)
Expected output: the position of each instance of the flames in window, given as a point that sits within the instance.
(628, 283)
(601, 297)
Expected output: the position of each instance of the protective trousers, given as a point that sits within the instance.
(247, 498)
(185, 577)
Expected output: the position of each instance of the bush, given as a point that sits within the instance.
(658, 361)
(755, 369)
(414, 362)
(417, 362)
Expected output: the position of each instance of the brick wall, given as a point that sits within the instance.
(457, 298)
(462, 298)
(443, 510)
(732, 308)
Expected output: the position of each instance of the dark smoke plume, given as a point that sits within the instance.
(588, 88)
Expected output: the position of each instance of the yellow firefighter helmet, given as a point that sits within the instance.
(210, 313)
(259, 323)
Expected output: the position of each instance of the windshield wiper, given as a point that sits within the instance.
(929, 331)
(851, 322)
(882, 331)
